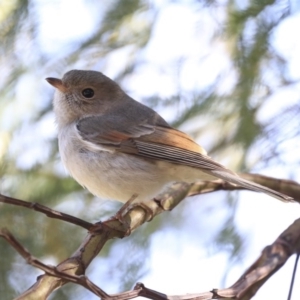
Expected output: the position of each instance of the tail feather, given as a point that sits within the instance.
(234, 178)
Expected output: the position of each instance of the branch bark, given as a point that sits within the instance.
(273, 257)
(132, 216)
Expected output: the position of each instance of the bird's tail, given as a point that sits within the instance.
(227, 175)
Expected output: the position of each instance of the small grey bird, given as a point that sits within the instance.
(116, 147)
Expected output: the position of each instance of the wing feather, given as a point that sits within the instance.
(159, 142)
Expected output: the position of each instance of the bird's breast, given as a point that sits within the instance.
(109, 174)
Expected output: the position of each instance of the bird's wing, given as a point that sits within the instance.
(107, 132)
(151, 141)
(143, 139)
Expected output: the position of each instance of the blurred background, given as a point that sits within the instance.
(226, 72)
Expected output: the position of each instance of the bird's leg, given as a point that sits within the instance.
(121, 214)
(121, 226)
(122, 211)
(125, 227)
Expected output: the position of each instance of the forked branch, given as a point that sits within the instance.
(132, 216)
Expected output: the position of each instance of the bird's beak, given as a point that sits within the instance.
(57, 83)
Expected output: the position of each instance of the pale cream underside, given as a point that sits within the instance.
(117, 176)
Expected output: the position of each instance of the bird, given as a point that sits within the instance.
(117, 147)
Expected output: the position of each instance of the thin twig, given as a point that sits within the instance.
(51, 270)
(51, 213)
(293, 277)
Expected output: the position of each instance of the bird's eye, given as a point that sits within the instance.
(88, 93)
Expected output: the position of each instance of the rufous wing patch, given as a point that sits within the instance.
(172, 137)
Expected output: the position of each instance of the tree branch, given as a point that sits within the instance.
(51, 213)
(129, 218)
(273, 257)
